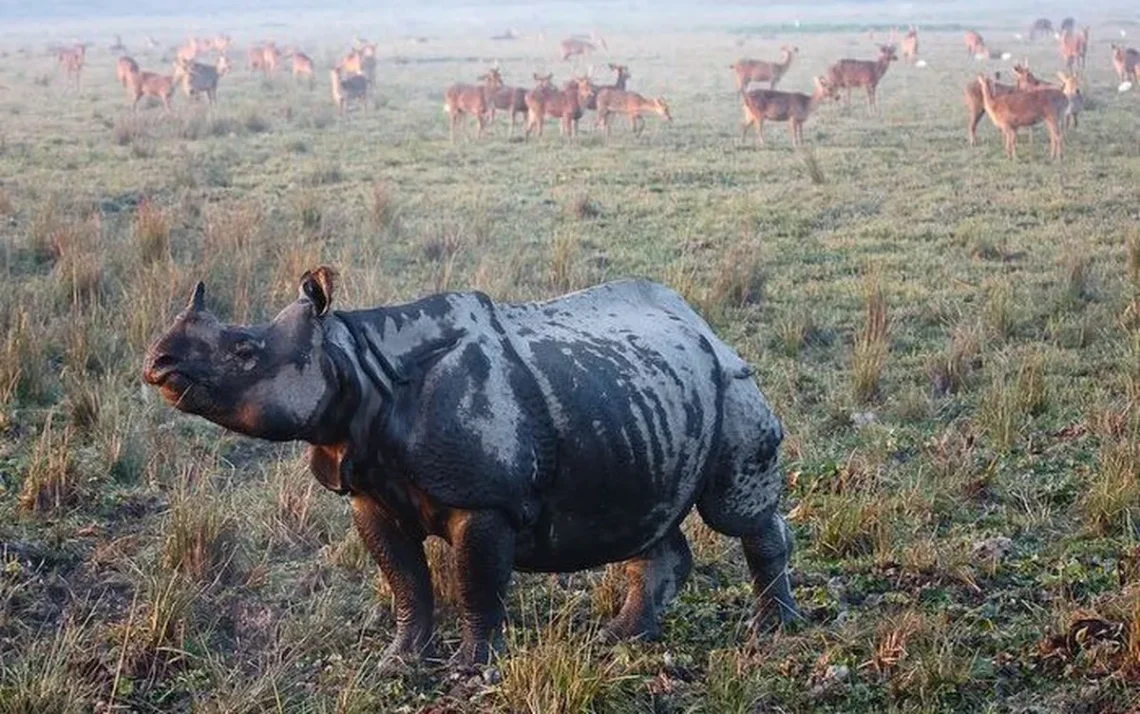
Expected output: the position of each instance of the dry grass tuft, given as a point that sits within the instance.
(50, 479)
(564, 252)
(871, 344)
(151, 233)
(1111, 499)
(582, 207)
(738, 282)
(200, 537)
(383, 208)
(811, 165)
(950, 370)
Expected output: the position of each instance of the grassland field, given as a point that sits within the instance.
(952, 340)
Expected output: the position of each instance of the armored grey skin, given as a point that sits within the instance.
(544, 437)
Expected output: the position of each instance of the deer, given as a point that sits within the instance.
(612, 100)
(270, 58)
(575, 46)
(124, 68)
(367, 52)
(255, 59)
(1067, 25)
(588, 91)
(475, 100)
(302, 66)
(148, 84)
(910, 45)
(348, 87)
(1026, 80)
(751, 70)
(1126, 61)
(198, 78)
(545, 101)
(221, 43)
(1074, 46)
(975, 45)
(512, 99)
(1041, 27)
(1010, 112)
(849, 73)
(762, 105)
(72, 59)
(189, 51)
(975, 103)
(1071, 88)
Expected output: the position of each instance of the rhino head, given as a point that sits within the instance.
(274, 381)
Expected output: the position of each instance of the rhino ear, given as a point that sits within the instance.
(198, 298)
(317, 287)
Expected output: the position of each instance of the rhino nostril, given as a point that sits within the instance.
(164, 363)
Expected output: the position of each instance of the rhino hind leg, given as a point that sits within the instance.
(652, 581)
(400, 556)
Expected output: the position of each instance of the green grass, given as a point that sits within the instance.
(951, 339)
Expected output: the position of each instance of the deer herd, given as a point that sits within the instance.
(199, 64)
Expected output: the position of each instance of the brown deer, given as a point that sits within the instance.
(1071, 88)
(762, 105)
(1074, 46)
(512, 99)
(149, 84)
(124, 68)
(1126, 61)
(270, 58)
(588, 91)
(575, 46)
(545, 101)
(1026, 80)
(612, 100)
(975, 103)
(751, 70)
(221, 43)
(849, 73)
(197, 78)
(1010, 112)
(1041, 27)
(367, 52)
(1067, 25)
(474, 100)
(302, 67)
(348, 87)
(910, 45)
(975, 45)
(72, 59)
(189, 51)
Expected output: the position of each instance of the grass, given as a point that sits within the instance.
(951, 340)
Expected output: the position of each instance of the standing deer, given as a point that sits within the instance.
(849, 73)
(1071, 88)
(1027, 81)
(1041, 27)
(910, 45)
(474, 100)
(124, 68)
(1010, 112)
(975, 45)
(255, 59)
(270, 58)
(367, 52)
(975, 103)
(575, 46)
(512, 99)
(545, 101)
(346, 88)
(198, 78)
(302, 67)
(148, 84)
(72, 59)
(751, 70)
(612, 100)
(762, 105)
(1126, 62)
(1067, 25)
(1074, 47)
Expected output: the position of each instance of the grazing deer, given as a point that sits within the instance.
(72, 59)
(975, 103)
(612, 100)
(124, 68)
(910, 44)
(1074, 46)
(302, 67)
(762, 105)
(975, 45)
(475, 100)
(588, 91)
(149, 84)
(1071, 88)
(1041, 27)
(751, 70)
(346, 88)
(545, 101)
(198, 78)
(849, 73)
(1010, 112)
(512, 99)
(1126, 61)
(575, 46)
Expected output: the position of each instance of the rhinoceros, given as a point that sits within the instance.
(544, 437)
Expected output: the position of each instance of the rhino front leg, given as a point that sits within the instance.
(400, 556)
(652, 581)
(484, 544)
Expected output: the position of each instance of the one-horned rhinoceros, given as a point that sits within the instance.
(549, 437)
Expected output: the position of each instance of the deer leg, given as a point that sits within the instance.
(792, 131)
(760, 131)
(481, 121)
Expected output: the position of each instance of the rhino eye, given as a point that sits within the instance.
(246, 349)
